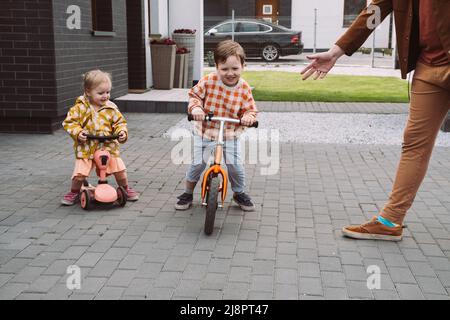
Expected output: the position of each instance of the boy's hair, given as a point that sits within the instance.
(93, 78)
(228, 48)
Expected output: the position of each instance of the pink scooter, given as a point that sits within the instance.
(103, 192)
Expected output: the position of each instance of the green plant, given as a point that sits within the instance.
(386, 51)
(210, 58)
(187, 31)
(163, 41)
(364, 50)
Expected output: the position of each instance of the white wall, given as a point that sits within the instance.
(148, 59)
(330, 17)
(185, 14)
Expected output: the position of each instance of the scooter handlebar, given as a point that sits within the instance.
(102, 138)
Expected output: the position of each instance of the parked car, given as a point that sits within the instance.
(259, 38)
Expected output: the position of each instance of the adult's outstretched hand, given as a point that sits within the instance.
(321, 63)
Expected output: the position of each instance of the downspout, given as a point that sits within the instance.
(168, 18)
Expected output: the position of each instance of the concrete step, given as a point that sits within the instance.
(155, 101)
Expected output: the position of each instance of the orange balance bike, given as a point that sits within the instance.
(103, 193)
(215, 178)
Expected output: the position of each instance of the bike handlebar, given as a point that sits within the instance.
(210, 117)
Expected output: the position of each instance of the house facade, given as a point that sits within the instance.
(277, 11)
(331, 19)
(47, 45)
(327, 19)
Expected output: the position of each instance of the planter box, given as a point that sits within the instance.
(180, 68)
(163, 65)
(188, 41)
(186, 71)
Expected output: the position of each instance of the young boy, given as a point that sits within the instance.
(225, 94)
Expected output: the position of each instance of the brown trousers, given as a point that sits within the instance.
(430, 103)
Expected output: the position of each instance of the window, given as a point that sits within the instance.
(267, 9)
(352, 8)
(102, 18)
(224, 28)
(249, 27)
(264, 28)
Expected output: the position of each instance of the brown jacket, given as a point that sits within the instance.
(406, 18)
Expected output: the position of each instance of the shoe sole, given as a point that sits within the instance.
(133, 199)
(245, 208)
(67, 203)
(182, 208)
(370, 236)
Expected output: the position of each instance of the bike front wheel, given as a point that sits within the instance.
(211, 204)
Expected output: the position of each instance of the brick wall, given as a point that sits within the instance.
(27, 77)
(42, 61)
(285, 17)
(78, 51)
(214, 12)
(242, 9)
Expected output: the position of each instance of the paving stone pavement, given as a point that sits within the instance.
(290, 248)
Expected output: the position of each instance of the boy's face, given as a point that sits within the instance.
(230, 70)
(99, 95)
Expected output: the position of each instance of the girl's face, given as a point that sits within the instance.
(230, 70)
(99, 95)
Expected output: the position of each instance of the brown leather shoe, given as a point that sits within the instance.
(373, 230)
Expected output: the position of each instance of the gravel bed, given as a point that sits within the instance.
(333, 128)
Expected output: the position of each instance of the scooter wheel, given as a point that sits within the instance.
(121, 196)
(85, 200)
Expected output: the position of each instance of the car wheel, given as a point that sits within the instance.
(270, 52)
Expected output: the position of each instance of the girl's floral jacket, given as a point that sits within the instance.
(106, 121)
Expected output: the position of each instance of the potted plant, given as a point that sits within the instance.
(186, 38)
(163, 62)
(181, 61)
(210, 59)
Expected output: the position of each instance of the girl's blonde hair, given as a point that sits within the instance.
(93, 78)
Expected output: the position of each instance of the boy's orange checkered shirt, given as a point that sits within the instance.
(212, 95)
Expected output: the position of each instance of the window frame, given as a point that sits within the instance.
(222, 24)
(95, 22)
(346, 21)
(259, 27)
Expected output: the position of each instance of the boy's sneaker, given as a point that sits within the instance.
(70, 198)
(373, 230)
(244, 201)
(132, 195)
(184, 202)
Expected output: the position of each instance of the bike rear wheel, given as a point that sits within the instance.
(211, 204)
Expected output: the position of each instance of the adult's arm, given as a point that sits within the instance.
(363, 26)
(348, 43)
